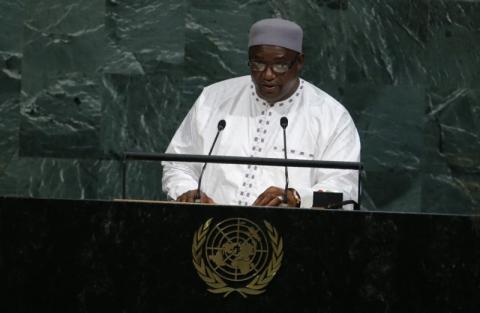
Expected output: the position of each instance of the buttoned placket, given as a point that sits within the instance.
(262, 128)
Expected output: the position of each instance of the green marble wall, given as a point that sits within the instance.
(81, 81)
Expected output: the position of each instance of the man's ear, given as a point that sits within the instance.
(300, 61)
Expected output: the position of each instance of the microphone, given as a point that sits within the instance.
(284, 124)
(221, 126)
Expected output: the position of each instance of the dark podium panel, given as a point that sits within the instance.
(97, 256)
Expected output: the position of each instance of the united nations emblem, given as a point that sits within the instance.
(236, 255)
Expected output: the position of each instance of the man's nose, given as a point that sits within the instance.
(269, 74)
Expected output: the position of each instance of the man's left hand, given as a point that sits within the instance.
(273, 196)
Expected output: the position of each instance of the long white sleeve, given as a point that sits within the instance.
(343, 145)
(179, 177)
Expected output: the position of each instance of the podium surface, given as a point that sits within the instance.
(101, 256)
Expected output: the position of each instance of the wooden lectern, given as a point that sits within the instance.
(101, 256)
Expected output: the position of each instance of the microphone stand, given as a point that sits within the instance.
(284, 124)
(221, 125)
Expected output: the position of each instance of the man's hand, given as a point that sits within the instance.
(189, 196)
(273, 196)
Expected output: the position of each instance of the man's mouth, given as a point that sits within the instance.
(269, 88)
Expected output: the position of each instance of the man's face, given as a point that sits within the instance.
(278, 80)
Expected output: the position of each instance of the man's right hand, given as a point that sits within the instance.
(189, 196)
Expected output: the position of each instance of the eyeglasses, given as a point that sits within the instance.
(278, 68)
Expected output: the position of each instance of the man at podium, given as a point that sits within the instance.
(319, 128)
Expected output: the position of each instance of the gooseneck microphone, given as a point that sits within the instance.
(284, 124)
(221, 126)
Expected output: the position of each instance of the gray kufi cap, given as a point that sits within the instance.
(276, 32)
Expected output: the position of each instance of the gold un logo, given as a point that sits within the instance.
(236, 255)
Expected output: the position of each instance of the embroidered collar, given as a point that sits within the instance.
(290, 100)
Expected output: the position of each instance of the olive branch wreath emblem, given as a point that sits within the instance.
(217, 285)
